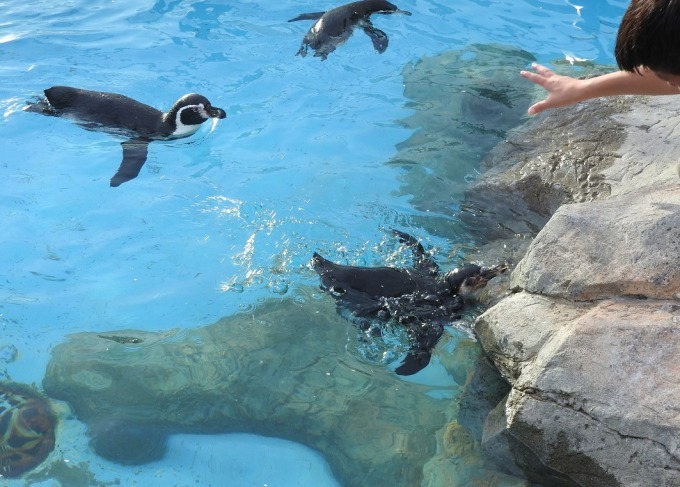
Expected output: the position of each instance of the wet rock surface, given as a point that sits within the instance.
(543, 164)
(589, 341)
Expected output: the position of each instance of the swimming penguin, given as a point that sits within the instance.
(417, 298)
(119, 115)
(335, 26)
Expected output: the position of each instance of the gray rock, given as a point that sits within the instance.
(513, 343)
(544, 164)
(582, 153)
(649, 153)
(590, 341)
(624, 246)
(594, 391)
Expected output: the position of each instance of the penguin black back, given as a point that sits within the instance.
(121, 115)
(109, 112)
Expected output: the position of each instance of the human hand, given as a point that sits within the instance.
(562, 90)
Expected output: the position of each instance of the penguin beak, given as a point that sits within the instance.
(215, 112)
(471, 285)
(489, 274)
(397, 11)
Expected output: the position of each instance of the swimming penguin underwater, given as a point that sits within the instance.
(119, 115)
(335, 26)
(418, 298)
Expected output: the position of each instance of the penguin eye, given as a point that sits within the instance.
(195, 109)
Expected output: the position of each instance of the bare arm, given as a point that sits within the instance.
(564, 90)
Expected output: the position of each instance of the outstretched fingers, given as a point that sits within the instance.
(561, 89)
(540, 76)
(542, 70)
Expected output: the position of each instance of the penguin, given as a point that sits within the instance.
(418, 298)
(122, 116)
(334, 27)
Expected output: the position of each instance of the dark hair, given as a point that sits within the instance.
(649, 36)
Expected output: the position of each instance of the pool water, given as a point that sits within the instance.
(310, 158)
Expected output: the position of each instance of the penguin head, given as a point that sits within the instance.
(384, 7)
(463, 279)
(469, 279)
(189, 112)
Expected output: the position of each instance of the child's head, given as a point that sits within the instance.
(649, 36)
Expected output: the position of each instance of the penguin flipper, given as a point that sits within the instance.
(414, 362)
(423, 342)
(421, 259)
(134, 157)
(379, 38)
(309, 16)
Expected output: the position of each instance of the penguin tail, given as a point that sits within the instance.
(318, 261)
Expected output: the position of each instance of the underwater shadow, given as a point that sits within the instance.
(463, 102)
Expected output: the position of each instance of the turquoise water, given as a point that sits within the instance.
(228, 219)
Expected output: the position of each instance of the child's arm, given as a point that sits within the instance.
(564, 90)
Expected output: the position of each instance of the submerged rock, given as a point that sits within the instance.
(463, 104)
(461, 459)
(8, 353)
(282, 370)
